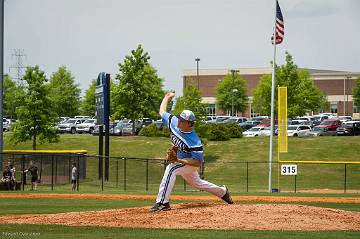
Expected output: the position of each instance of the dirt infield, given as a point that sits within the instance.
(206, 216)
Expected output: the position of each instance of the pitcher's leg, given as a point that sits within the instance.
(167, 183)
(193, 178)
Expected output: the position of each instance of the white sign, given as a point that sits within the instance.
(289, 169)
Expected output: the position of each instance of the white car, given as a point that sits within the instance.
(253, 132)
(87, 127)
(298, 130)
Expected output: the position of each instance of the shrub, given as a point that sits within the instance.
(149, 131)
(235, 130)
(218, 132)
(201, 129)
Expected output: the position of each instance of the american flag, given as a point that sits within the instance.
(279, 26)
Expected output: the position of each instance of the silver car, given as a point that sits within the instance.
(87, 126)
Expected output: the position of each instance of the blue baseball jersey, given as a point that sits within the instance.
(188, 143)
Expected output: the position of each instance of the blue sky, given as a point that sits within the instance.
(89, 36)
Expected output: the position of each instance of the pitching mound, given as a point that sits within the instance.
(206, 216)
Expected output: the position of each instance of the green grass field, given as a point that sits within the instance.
(225, 163)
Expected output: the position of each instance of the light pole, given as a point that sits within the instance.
(232, 91)
(345, 92)
(197, 72)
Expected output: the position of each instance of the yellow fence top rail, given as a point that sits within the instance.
(65, 151)
(319, 162)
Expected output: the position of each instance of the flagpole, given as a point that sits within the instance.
(272, 101)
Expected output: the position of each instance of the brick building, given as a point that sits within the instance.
(337, 85)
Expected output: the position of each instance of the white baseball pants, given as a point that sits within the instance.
(191, 176)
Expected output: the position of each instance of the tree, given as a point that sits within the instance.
(139, 90)
(190, 101)
(224, 97)
(36, 118)
(356, 93)
(13, 96)
(88, 102)
(303, 95)
(64, 93)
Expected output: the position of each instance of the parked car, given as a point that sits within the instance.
(87, 126)
(298, 130)
(331, 124)
(111, 129)
(345, 118)
(253, 132)
(321, 118)
(119, 126)
(349, 128)
(128, 128)
(69, 126)
(267, 131)
(249, 124)
(237, 120)
(321, 130)
(218, 119)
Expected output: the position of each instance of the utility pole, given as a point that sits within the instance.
(232, 91)
(18, 54)
(197, 72)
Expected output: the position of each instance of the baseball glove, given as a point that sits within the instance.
(171, 154)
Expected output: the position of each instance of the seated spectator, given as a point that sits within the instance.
(6, 178)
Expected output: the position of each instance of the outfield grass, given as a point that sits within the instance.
(57, 231)
(225, 163)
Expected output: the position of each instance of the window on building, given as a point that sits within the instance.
(333, 107)
(356, 109)
(210, 109)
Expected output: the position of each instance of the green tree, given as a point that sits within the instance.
(36, 118)
(88, 102)
(190, 101)
(13, 96)
(139, 90)
(64, 93)
(303, 95)
(356, 93)
(224, 93)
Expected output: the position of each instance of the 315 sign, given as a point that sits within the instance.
(289, 169)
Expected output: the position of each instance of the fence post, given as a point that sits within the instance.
(147, 175)
(295, 184)
(52, 172)
(56, 169)
(247, 176)
(345, 178)
(23, 176)
(78, 173)
(101, 171)
(70, 168)
(184, 185)
(41, 166)
(124, 174)
(117, 172)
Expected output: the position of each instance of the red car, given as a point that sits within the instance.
(331, 125)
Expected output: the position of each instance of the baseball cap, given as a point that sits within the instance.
(187, 115)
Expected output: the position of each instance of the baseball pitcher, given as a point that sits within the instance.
(184, 157)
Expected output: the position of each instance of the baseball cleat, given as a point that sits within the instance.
(160, 207)
(227, 197)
